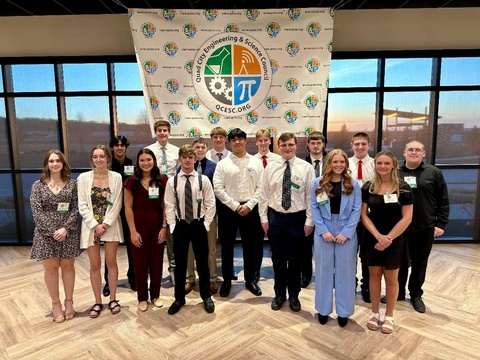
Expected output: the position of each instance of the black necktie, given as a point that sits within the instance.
(317, 168)
(220, 155)
(287, 188)
(188, 200)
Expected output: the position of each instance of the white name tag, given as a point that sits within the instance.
(411, 180)
(153, 192)
(199, 196)
(128, 170)
(322, 198)
(390, 198)
(62, 208)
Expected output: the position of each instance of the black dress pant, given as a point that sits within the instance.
(183, 234)
(251, 233)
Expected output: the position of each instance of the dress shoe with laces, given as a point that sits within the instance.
(175, 307)
(322, 319)
(342, 321)
(305, 281)
(106, 290)
(225, 289)
(254, 288)
(209, 305)
(188, 287)
(277, 302)
(418, 304)
(366, 296)
(213, 287)
(295, 304)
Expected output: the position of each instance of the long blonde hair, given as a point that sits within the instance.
(377, 181)
(327, 173)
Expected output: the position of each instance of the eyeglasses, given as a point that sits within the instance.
(283, 146)
(414, 151)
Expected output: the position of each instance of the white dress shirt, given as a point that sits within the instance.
(238, 180)
(207, 209)
(271, 156)
(368, 168)
(212, 154)
(172, 156)
(303, 175)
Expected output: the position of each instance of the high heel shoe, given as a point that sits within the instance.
(69, 315)
(59, 318)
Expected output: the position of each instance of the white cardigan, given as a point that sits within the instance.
(112, 217)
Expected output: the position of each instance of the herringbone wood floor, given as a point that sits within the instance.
(243, 326)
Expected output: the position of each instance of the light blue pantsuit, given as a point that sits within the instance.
(336, 264)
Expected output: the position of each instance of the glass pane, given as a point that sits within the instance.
(348, 114)
(33, 78)
(460, 71)
(408, 72)
(27, 182)
(1, 81)
(458, 131)
(4, 150)
(88, 122)
(406, 117)
(37, 133)
(353, 73)
(85, 77)
(133, 123)
(8, 221)
(462, 192)
(127, 76)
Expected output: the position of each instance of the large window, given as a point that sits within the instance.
(76, 103)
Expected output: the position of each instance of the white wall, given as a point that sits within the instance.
(354, 30)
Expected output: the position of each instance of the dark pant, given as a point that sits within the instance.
(183, 234)
(307, 256)
(252, 234)
(365, 275)
(419, 244)
(286, 234)
(148, 261)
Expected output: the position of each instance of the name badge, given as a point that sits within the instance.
(199, 196)
(153, 192)
(411, 180)
(296, 186)
(163, 169)
(128, 170)
(322, 198)
(390, 198)
(109, 199)
(62, 208)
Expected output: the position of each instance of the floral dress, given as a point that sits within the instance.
(48, 219)
(99, 203)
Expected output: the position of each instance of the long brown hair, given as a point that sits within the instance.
(377, 181)
(65, 173)
(327, 174)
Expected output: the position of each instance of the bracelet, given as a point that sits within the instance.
(165, 226)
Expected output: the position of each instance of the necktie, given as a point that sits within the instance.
(359, 170)
(220, 155)
(264, 160)
(188, 200)
(164, 156)
(287, 188)
(317, 168)
(199, 168)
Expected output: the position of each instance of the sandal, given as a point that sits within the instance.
(97, 311)
(387, 328)
(60, 318)
(113, 309)
(69, 315)
(373, 322)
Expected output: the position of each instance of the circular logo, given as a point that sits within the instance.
(294, 13)
(311, 101)
(312, 65)
(188, 66)
(213, 118)
(194, 133)
(313, 29)
(273, 131)
(190, 30)
(231, 27)
(148, 30)
(172, 86)
(330, 46)
(193, 103)
(271, 102)
(210, 14)
(232, 74)
(170, 48)
(174, 117)
(252, 117)
(293, 48)
(309, 130)
(290, 116)
(272, 29)
(150, 66)
(154, 103)
(291, 85)
(168, 14)
(252, 14)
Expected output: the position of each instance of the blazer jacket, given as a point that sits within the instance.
(350, 206)
(112, 218)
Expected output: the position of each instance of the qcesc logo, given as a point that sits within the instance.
(232, 73)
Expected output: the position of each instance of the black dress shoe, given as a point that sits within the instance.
(277, 302)
(342, 321)
(225, 289)
(209, 305)
(254, 288)
(322, 319)
(295, 304)
(418, 304)
(305, 281)
(366, 296)
(234, 276)
(256, 278)
(106, 290)
(175, 307)
(133, 286)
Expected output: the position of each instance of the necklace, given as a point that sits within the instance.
(57, 186)
(100, 175)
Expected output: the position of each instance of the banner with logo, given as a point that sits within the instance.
(253, 69)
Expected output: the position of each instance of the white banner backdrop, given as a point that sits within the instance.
(253, 69)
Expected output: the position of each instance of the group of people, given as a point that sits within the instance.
(322, 208)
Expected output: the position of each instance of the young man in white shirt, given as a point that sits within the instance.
(262, 140)
(167, 161)
(219, 140)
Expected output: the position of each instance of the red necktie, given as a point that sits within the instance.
(359, 170)
(264, 157)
